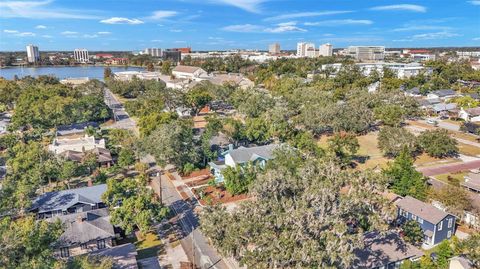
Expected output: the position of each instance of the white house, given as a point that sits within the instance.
(81, 144)
(470, 114)
(444, 94)
(188, 72)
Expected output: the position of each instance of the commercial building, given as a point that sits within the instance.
(81, 55)
(33, 55)
(172, 55)
(274, 48)
(325, 50)
(303, 48)
(367, 53)
(155, 52)
(183, 50)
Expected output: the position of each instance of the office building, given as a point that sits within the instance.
(183, 50)
(367, 53)
(172, 55)
(274, 48)
(325, 50)
(33, 55)
(81, 55)
(304, 48)
(155, 52)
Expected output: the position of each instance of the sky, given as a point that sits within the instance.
(229, 24)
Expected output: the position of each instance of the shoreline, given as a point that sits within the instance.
(83, 65)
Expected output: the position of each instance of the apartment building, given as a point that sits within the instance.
(325, 50)
(33, 55)
(305, 49)
(367, 53)
(274, 48)
(81, 55)
(154, 52)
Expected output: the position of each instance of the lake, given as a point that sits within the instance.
(61, 72)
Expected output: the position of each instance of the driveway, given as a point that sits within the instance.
(149, 263)
(121, 117)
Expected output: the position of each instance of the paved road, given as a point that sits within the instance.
(205, 255)
(122, 119)
(444, 124)
(449, 168)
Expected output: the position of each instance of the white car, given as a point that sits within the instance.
(432, 121)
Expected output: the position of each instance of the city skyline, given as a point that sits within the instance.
(229, 24)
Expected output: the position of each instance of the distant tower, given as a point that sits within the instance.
(33, 55)
(155, 52)
(305, 49)
(274, 48)
(81, 55)
(326, 50)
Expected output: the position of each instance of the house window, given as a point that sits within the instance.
(449, 234)
(64, 252)
(101, 243)
(414, 217)
(83, 246)
(420, 220)
(450, 223)
(440, 225)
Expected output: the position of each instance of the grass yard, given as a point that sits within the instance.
(149, 246)
(453, 179)
(468, 149)
(424, 160)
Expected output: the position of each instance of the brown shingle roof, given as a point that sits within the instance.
(423, 210)
(473, 111)
(186, 69)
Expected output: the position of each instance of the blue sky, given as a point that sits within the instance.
(228, 24)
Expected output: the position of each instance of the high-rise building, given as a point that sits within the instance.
(81, 55)
(33, 55)
(172, 55)
(367, 53)
(325, 50)
(305, 49)
(274, 48)
(155, 52)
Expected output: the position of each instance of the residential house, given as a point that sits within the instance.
(84, 232)
(241, 156)
(67, 202)
(80, 144)
(387, 251)
(235, 79)
(436, 224)
(188, 72)
(414, 92)
(460, 262)
(470, 114)
(444, 94)
(472, 182)
(123, 256)
(5, 119)
(104, 157)
(117, 61)
(445, 109)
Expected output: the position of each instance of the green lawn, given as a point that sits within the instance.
(150, 246)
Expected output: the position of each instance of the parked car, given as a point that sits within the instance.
(432, 121)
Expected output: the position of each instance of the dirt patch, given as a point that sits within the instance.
(211, 195)
(200, 182)
(197, 173)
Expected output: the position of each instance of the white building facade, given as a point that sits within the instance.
(81, 55)
(33, 55)
(274, 48)
(155, 52)
(305, 49)
(325, 50)
(367, 53)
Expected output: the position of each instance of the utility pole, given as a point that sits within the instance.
(193, 250)
(160, 187)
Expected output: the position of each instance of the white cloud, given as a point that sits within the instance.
(476, 38)
(402, 7)
(436, 35)
(40, 10)
(18, 33)
(475, 2)
(40, 27)
(47, 36)
(176, 30)
(253, 6)
(250, 28)
(339, 22)
(156, 40)
(103, 33)
(162, 14)
(306, 14)
(420, 28)
(243, 28)
(69, 33)
(89, 36)
(120, 20)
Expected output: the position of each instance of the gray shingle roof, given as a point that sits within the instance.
(124, 256)
(61, 200)
(444, 92)
(423, 210)
(186, 69)
(444, 107)
(381, 250)
(243, 155)
(85, 226)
